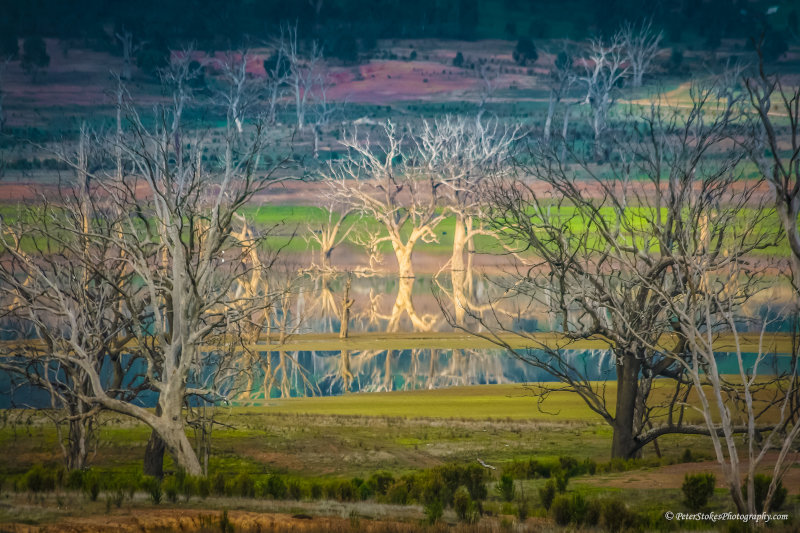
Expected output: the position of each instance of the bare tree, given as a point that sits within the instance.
(277, 71)
(560, 80)
(387, 183)
(238, 91)
(640, 43)
(171, 222)
(605, 67)
(756, 398)
(178, 78)
(3, 68)
(464, 155)
(776, 152)
(593, 245)
(129, 49)
(303, 72)
(330, 234)
(63, 295)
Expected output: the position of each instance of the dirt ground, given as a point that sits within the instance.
(671, 476)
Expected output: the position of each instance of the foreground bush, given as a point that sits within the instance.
(697, 489)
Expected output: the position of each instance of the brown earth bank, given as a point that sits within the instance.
(672, 476)
(149, 520)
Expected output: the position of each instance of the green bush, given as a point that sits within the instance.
(616, 516)
(761, 484)
(505, 487)
(152, 486)
(294, 489)
(315, 490)
(463, 505)
(171, 487)
(569, 509)
(697, 489)
(537, 469)
(380, 482)
(75, 479)
(397, 493)
(569, 465)
(276, 487)
(433, 511)
(41, 479)
(547, 493)
(561, 509)
(244, 486)
(561, 479)
(592, 513)
(203, 487)
(91, 485)
(218, 484)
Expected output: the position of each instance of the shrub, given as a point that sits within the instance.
(171, 487)
(315, 490)
(561, 479)
(276, 487)
(433, 511)
(547, 493)
(568, 509)
(505, 487)
(589, 466)
(615, 515)
(218, 484)
(761, 484)
(462, 502)
(75, 479)
(592, 513)
(203, 487)
(569, 465)
(561, 509)
(294, 490)
(380, 482)
(91, 485)
(697, 489)
(537, 469)
(397, 493)
(152, 486)
(40, 479)
(244, 486)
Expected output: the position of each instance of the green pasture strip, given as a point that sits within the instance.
(779, 343)
(288, 226)
(511, 402)
(776, 343)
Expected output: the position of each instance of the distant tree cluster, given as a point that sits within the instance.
(347, 26)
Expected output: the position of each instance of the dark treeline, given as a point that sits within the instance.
(339, 22)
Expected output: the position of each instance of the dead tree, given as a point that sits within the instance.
(776, 152)
(129, 49)
(590, 248)
(303, 72)
(276, 71)
(716, 279)
(605, 67)
(334, 231)
(560, 80)
(640, 43)
(386, 182)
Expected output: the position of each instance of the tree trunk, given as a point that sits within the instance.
(154, 456)
(154, 453)
(638, 74)
(179, 447)
(403, 255)
(623, 444)
(551, 108)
